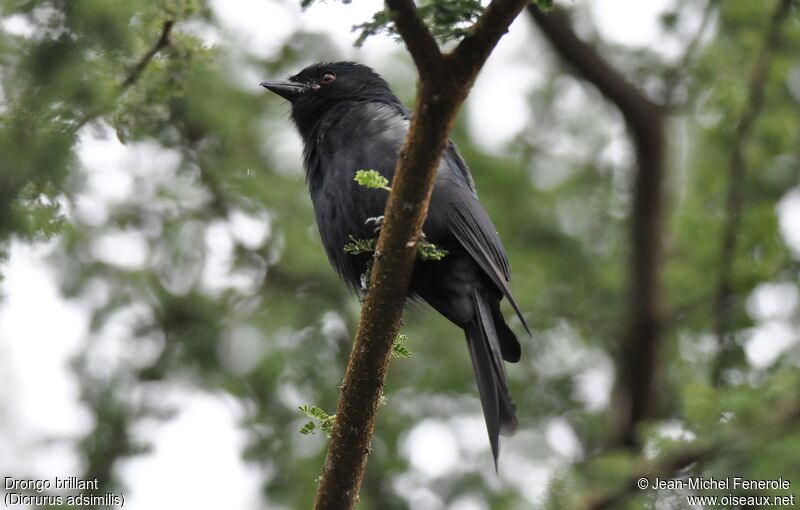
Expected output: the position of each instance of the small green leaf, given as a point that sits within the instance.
(326, 420)
(372, 179)
(399, 350)
(429, 251)
(308, 429)
(359, 246)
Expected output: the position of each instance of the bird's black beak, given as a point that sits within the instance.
(284, 88)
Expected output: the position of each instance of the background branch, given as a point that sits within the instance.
(133, 76)
(163, 42)
(679, 460)
(737, 174)
(673, 75)
(636, 383)
(665, 468)
(439, 97)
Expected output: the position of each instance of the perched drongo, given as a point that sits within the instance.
(350, 120)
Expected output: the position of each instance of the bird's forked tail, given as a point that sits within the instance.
(490, 341)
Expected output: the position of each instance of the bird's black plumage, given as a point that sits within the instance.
(349, 120)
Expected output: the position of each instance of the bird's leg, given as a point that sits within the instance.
(365, 276)
(377, 221)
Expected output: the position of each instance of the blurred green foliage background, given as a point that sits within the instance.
(232, 294)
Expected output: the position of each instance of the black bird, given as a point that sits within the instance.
(349, 120)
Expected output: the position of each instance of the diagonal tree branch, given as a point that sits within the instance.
(138, 69)
(640, 342)
(420, 42)
(444, 84)
(593, 67)
(475, 48)
(737, 174)
(674, 74)
(692, 455)
(133, 76)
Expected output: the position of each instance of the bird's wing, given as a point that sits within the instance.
(454, 160)
(456, 209)
(451, 157)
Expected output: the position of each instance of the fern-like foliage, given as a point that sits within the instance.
(399, 350)
(320, 420)
(446, 19)
(359, 246)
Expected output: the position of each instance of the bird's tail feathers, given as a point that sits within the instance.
(487, 360)
(509, 345)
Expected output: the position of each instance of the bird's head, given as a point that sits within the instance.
(319, 87)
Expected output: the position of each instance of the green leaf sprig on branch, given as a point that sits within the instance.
(321, 420)
(374, 180)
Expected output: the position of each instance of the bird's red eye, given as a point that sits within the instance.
(327, 77)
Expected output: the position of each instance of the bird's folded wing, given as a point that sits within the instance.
(473, 229)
